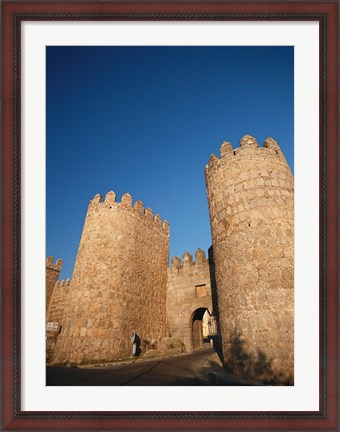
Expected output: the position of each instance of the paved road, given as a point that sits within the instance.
(202, 367)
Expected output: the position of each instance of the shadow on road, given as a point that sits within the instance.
(210, 375)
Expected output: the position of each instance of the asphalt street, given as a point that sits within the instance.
(201, 367)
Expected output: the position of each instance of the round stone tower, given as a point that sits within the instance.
(118, 285)
(251, 204)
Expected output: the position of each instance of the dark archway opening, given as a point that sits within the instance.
(197, 328)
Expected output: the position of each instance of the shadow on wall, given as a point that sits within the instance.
(256, 367)
(217, 343)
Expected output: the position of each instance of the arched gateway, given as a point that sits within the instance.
(201, 330)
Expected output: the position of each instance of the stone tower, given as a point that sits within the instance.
(251, 205)
(118, 285)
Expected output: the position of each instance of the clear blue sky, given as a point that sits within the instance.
(145, 120)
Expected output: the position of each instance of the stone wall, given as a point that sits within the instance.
(251, 204)
(55, 313)
(118, 284)
(52, 275)
(189, 289)
(58, 301)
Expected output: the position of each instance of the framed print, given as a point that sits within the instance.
(108, 104)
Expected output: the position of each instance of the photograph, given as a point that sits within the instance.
(169, 215)
(170, 196)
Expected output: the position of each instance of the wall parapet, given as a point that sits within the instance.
(248, 145)
(187, 260)
(64, 283)
(126, 203)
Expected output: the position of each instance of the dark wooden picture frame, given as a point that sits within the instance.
(326, 13)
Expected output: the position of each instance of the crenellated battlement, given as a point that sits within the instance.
(63, 283)
(248, 147)
(126, 203)
(54, 266)
(187, 260)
